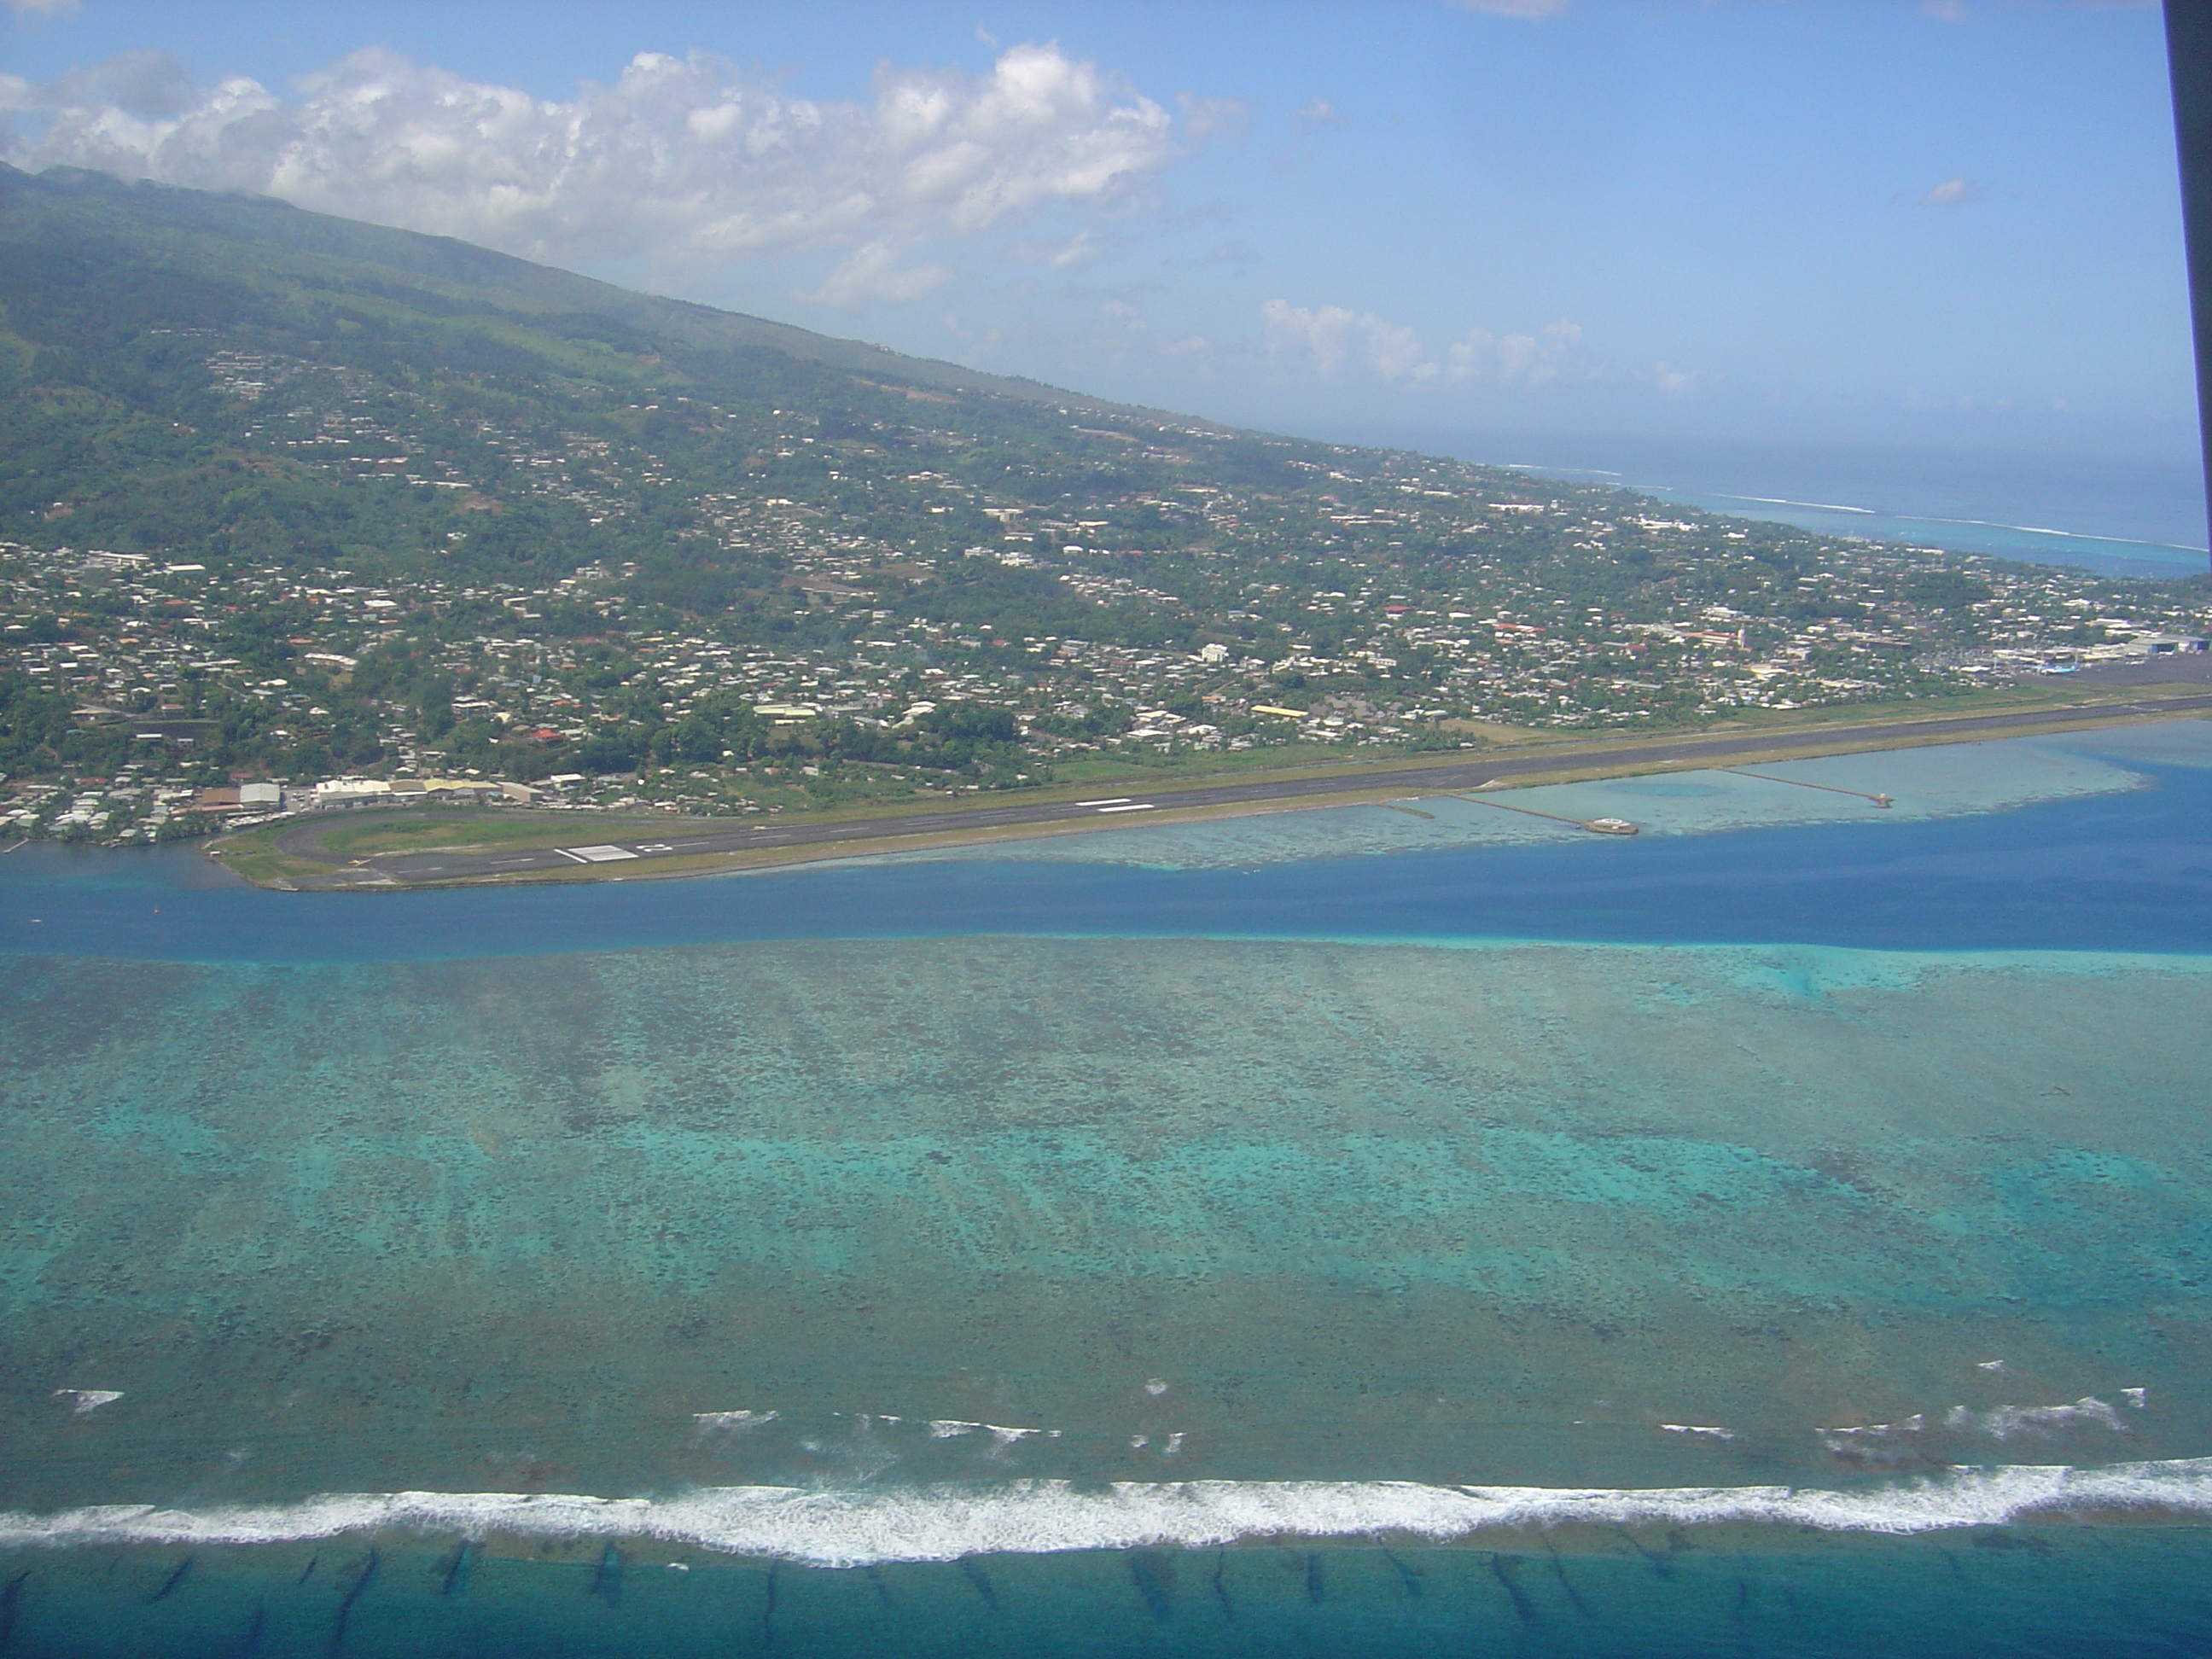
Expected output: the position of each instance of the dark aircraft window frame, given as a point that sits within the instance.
(2189, 60)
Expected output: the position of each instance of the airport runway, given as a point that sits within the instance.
(694, 841)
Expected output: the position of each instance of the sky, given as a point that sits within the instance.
(1954, 224)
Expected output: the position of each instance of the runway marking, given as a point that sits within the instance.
(1446, 781)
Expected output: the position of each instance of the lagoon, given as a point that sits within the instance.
(1528, 1236)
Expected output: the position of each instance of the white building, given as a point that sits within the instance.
(332, 790)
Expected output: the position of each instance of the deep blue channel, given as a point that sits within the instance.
(2129, 871)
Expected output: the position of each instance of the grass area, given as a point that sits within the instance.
(1305, 759)
(1994, 701)
(360, 835)
(311, 847)
(404, 831)
(1113, 769)
(297, 850)
(266, 866)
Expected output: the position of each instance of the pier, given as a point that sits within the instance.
(1595, 826)
(1763, 777)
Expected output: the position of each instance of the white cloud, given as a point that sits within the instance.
(683, 156)
(1947, 11)
(871, 273)
(1952, 193)
(1336, 341)
(1071, 253)
(1205, 117)
(40, 8)
(1513, 359)
(1315, 112)
(1532, 9)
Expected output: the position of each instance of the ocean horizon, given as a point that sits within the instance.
(2122, 515)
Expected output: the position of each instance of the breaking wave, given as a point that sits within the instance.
(943, 1523)
(1998, 1423)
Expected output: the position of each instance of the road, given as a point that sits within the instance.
(693, 841)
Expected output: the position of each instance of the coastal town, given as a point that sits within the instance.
(154, 698)
(671, 565)
(310, 550)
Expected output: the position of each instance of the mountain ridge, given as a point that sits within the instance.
(283, 495)
(449, 261)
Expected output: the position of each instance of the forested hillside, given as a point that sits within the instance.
(342, 496)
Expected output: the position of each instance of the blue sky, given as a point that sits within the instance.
(1950, 224)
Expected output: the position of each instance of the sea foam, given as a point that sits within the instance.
(863, 1527)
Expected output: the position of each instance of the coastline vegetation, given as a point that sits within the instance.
(285, 499)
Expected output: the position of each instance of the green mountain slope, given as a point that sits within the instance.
(117, 297)
(184, 233)
(337, 495)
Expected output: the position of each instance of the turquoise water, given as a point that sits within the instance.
(2137, 515)
(958, 1258)
(1940, 782)
(2114, 1592)
(2115, 556)
(2105, 851)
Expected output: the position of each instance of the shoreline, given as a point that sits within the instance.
(290, 856)
(864, 1528)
